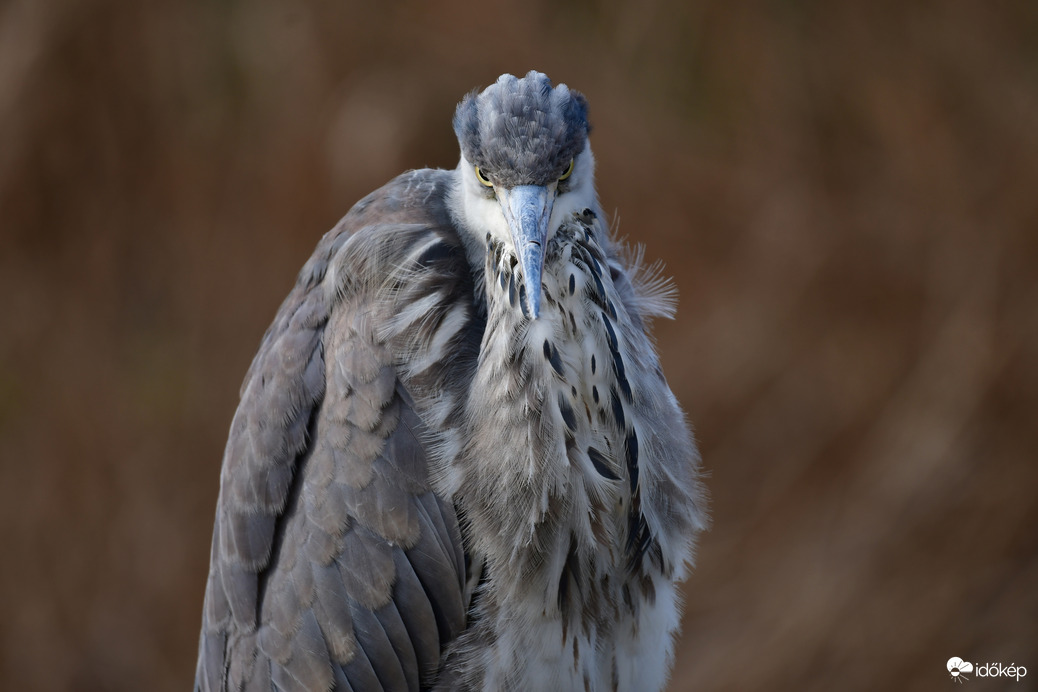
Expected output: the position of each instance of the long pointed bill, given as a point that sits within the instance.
(527, 209)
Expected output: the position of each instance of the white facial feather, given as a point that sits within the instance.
(479, 214)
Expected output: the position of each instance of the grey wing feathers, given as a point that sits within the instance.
(333, 564)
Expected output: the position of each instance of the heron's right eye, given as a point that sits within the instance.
(569, 171)
(483, 178)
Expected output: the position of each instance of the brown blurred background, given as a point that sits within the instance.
(847, 197)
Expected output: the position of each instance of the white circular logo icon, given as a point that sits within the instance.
(957, 668)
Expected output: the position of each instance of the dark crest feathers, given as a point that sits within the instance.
(522, 131)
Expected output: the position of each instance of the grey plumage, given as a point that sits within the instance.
(436, 480)
(522, 131)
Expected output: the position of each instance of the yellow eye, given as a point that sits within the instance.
(569, 171)
(483, 178)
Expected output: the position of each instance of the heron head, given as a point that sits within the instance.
(525, 165)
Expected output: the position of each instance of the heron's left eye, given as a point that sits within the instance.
(569, 171)
(483, 177)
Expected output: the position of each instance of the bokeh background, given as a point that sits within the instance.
(845, 193)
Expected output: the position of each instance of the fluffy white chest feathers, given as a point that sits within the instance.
(571, 499)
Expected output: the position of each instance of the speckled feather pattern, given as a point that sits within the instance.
(584, 516)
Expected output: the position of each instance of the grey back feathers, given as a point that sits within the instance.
(424, 488)
(522, 131)
(333, 564)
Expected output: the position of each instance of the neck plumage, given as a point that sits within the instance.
(556, 451)
(574, 474)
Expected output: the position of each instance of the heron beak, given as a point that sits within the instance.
(527, 209)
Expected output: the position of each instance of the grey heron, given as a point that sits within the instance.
(456, 463)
